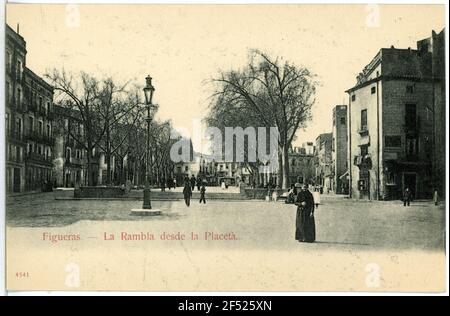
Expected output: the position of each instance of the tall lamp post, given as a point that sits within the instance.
(148, 91)
(147, 205)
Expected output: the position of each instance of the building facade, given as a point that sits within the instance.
(391, 126)
(323, 161)
(70, 163)
(301, 163)
(28, 121)
(339, 150)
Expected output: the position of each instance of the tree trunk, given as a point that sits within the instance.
(89, 163)
(280, 170)
(285, 154)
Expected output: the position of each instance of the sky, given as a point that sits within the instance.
(182, 47)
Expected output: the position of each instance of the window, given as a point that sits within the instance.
(410, 116)
(373, 90)
(411, 146)
(8, 61)
(7, 92)
(342, 120)
(390, 178)
(49, 134)
(41, 126)
(353, 97)
(30, 148)
(409, 89)
(78, 154)
(68, 153)
(364, 120)
(392, 141)
(364, 150)
(19, 70)
(7, 122)
(19, 127)
(40, 150)
(19, 97)
(30, 124)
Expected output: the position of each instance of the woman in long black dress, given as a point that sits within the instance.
(305, 226)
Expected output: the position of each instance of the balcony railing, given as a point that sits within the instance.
(35, 157)
(41, 138)
(363, 130)
(15, 135)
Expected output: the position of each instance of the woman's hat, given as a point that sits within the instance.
(298, 185)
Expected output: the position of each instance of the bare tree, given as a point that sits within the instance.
(277, 93)
(82, 95)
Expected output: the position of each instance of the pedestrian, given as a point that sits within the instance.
(202, 194)
(163, 185)
(187, 193)
(316, 196)
(174, 183)
(436, 197)
(192, 182)
(305, 226)
(406, 197)
(199, 183)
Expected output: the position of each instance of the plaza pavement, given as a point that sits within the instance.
(405, 243)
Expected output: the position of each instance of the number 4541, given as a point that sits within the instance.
(22, 275)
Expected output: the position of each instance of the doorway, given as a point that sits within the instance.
(409, 181)
(16, 176)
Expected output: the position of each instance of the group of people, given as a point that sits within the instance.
(170, 183)
(189, 186)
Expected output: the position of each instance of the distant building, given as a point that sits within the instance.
(28, 120)
(392, 124)
(339, 150)
(70, 163)
(323, 161)
(301, 163)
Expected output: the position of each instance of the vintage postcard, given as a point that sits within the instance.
(205, 147)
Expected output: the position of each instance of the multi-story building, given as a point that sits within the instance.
(38, 131)
(339, 149)
(391, 125)
(70, 165)
(436, 45)
(14, 111)
(29, 121)
(301, 163)
(323, 161)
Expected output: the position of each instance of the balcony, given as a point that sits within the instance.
(38, 158)
(41, 138)
(15, 136)
(363, 130)
(363, 161)
(74, 162)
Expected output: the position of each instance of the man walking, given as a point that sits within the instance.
(187, 193)
(192, 182)
(202, 194)
(406, 197)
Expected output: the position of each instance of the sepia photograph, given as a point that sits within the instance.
(225, 148)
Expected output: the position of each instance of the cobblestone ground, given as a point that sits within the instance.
(260, 253)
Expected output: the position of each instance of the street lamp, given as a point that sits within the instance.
(148, 91)
(147, 205)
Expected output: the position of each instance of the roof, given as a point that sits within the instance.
(35, 77)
